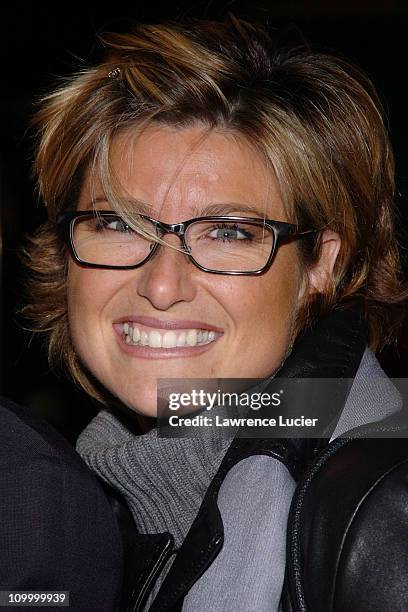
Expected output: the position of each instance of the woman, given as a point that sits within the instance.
(218, 208)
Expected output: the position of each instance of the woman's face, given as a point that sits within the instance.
(179, 174)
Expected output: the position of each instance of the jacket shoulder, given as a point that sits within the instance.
(24, 435)
(353, 528)
(54, 516)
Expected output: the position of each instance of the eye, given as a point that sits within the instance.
(115, 224)
(227, 232)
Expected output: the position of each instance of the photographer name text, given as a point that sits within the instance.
(219, 421)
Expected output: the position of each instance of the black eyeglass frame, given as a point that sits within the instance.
(281, 231)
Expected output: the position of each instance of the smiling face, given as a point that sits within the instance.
(222, 326)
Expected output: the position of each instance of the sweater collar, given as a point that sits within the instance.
(163, 480)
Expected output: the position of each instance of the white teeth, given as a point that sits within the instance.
(181, 340)
(166, 339)
(191, 338)
(155, 340)
(169, 339)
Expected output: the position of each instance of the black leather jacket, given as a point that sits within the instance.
(347, 545)
(331, 349)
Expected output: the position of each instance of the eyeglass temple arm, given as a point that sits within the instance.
(287, 230)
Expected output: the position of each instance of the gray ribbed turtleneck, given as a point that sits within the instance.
(163, 480)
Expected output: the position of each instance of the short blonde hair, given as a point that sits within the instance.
(315, 119)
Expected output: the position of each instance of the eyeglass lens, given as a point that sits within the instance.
(217, 245)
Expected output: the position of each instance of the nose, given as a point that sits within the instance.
(168, 277)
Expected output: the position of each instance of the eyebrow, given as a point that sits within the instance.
(142, 207)
(222, 208)
(225, 208)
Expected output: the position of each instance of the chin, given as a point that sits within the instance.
(141, 404)
(146, 411)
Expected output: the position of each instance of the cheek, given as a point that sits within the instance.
(265, 314)
(89, 291)
(78, 308)
(273, 298)
(80, 291)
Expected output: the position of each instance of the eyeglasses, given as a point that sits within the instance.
(219, 245)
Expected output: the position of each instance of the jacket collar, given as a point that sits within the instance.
(332, 347)
(324, 360)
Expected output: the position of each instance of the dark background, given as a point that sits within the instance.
(40, 44)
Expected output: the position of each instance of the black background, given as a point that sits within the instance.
(40, 44)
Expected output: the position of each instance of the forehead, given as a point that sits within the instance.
(183, 171)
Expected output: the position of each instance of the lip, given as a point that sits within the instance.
(170, 324)
(147, 352)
